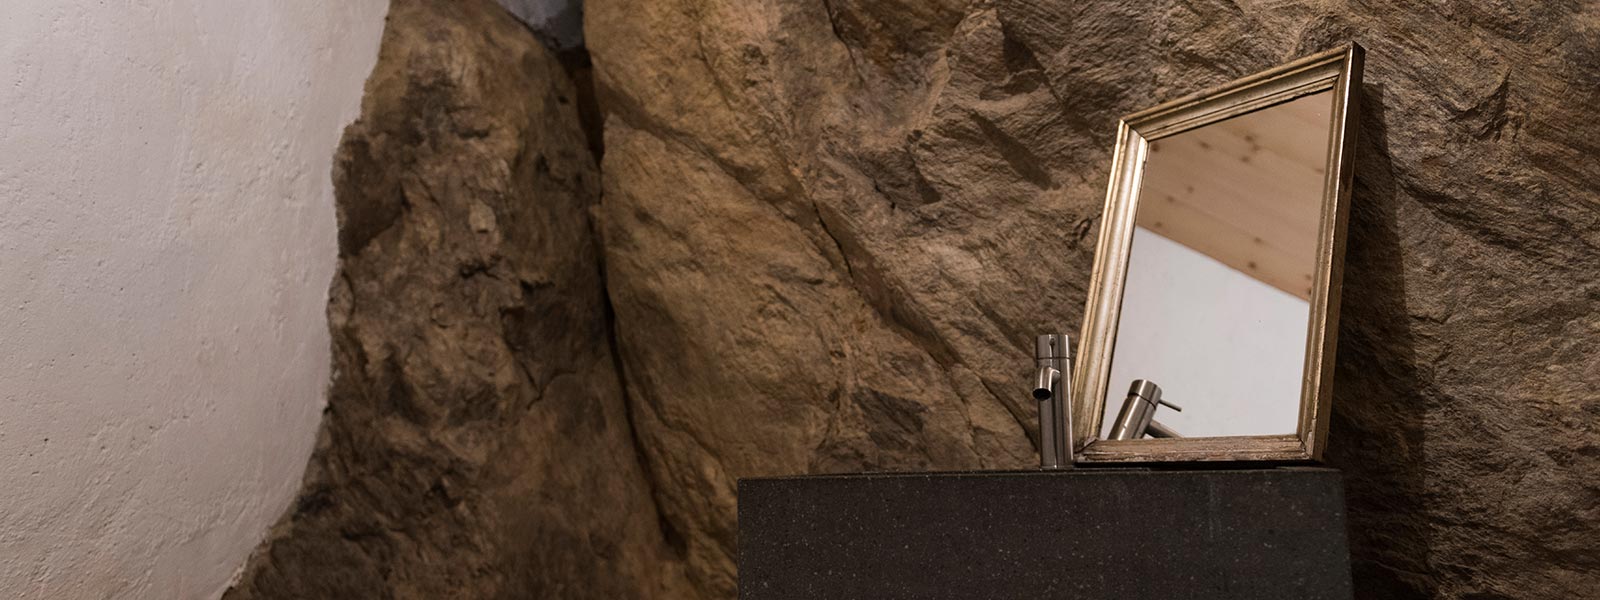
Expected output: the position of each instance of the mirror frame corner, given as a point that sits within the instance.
(1338, 70)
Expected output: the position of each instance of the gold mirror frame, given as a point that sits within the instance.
(1338, 70)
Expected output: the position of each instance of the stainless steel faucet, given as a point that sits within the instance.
(1052, 387)
(1138, 413)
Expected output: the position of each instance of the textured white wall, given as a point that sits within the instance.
(166, 243)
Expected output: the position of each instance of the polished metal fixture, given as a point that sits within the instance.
(1053, 389)
(1138, 413)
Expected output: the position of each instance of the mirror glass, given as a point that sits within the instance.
(1216, 305)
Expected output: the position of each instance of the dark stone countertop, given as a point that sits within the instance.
(1089, 533)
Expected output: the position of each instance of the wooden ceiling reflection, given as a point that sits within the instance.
(1245, 191)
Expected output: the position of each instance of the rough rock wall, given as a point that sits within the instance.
(475, 444)
(832, 226)
(557, 23)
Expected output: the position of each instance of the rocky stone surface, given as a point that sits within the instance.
(476, 443)
(832, 226)
(558, 23)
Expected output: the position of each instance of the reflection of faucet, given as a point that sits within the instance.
(1053, 389)
(1138, 412)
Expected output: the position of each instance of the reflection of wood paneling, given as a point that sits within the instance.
(1245, 191)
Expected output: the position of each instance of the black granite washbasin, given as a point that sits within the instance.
(1101, 533)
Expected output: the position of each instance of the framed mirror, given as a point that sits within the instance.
(1214, 302)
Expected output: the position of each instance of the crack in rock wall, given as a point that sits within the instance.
(557, 23)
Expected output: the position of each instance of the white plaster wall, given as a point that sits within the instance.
(1226, 347)
(167, 237)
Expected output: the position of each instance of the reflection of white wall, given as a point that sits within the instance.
(167, 236)
(1224, 346)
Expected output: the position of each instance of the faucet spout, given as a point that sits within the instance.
(1045, 382)
(1157, 430)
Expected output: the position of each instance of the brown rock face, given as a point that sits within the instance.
(832, 227)
(830, 230)
(476, 444)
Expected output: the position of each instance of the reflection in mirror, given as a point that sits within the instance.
(1216, 307)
